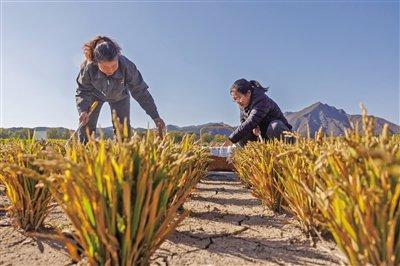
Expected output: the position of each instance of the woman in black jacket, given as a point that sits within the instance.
(259, 114)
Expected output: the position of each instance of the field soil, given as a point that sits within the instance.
(226, 226)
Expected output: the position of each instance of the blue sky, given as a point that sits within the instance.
(340, 53)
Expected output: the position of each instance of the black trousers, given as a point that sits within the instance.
(122, 109)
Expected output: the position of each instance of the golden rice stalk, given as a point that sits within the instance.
(30, 200)
(256, 166)
(296, 169)
(123, 197)
(278, 172)
(359, 195)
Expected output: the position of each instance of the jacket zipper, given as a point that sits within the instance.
(108, 86)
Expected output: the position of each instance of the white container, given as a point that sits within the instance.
(214, 151)
(222, 151)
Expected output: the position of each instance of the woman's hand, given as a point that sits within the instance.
(160, 124)
(257, 131)
(84, 118)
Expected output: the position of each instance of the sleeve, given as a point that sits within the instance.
(83, 96)
(242, 119)
(251, 122)
(139, 91)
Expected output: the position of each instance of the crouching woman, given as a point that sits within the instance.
(260, 116)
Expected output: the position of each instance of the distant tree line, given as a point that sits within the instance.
(22, 133)
(58, 133)
(25, 133)
(63, 133)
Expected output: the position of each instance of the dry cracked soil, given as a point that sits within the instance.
(226, 226)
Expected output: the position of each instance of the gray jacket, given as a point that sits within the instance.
(95, 85)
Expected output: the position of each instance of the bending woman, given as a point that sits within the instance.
(259, 114)
(108, 76)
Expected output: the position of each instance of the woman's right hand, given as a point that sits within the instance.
(84, 118)
(257, 131)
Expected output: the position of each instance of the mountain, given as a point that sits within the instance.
(317, 115)
(212, 128)
(332, 120)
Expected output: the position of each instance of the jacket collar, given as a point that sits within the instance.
(101, 75)
(257, 96)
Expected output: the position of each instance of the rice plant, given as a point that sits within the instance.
(279, 174)
(257, 168)
(348, 185)
(123, 198)
(359, 196)
(30, 200)
(296, 167)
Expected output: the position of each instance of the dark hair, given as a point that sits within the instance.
(101, 48)
(243, 86)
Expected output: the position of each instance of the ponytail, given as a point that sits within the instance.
(243, 86)
(256, 85)
(101, 48)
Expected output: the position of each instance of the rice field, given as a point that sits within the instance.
(125, 198)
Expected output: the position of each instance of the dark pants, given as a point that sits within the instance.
(274, 131)
(121, 108)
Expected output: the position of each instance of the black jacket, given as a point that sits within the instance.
(261, 111)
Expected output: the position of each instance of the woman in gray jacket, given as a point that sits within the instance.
(108, 76)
